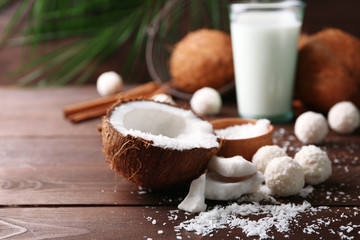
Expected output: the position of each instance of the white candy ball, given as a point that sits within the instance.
(109, 83)
(344, 117)
(164, 98)
(315, 164)
(284, 176)
(265, 154)
(311, 127)
(206, 101)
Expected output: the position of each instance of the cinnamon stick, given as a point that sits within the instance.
(98, 107)
(89, 113)
(79, 107)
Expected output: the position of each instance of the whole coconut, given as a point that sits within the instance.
(203, 58)
(328, 70)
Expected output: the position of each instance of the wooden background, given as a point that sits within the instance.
(319, 14)
(55, 182)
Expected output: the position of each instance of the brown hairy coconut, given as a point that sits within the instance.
(156, 145)
(328, 70)
(203, 58)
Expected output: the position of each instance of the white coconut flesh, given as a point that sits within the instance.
(164, 125)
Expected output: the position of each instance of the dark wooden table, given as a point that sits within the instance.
(55, 183)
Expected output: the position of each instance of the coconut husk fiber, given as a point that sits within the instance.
(149, 166)
(328, 70)
(203, 58)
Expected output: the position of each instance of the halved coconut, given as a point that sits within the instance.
(156, 145)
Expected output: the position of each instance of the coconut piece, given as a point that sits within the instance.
(206, 101)
(220, 178)
(344, 117)
(328, 70)
(265, 154)
(156, 145)
(109, 83)
(203, 58)
(217, 190)
(236, 166)
(311, 127)
(194, 202)
(284, 176)
(315, 163)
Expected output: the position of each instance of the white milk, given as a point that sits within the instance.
(265, 52)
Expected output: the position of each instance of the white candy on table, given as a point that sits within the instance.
(315, 164)
(265, 154)
(164, 98)
(206, 101)
(284, 176)
(109, 83)
(311, 127)
(344, 117)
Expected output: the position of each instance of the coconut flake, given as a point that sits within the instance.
(195, 200)
(245, 130)
(306, 191)
(234, 216)
(166, 126)
(236, 166)
(216, 190)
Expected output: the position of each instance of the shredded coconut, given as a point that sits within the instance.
(245, 130)
(306, 191)
(236, 216)
(263, 193)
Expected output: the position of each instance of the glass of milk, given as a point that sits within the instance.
(264, 40)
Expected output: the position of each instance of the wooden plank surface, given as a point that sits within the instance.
(157, 223)
(55, 182)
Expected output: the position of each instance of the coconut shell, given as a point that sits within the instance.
(203, 58)
(150, 166)
(328, 70)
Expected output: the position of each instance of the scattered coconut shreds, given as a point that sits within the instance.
(271, 219)
(235, 216)
(306, 191)
(263, 193)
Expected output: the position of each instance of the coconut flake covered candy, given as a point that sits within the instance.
(311, 127)
(315, 163)
(206, 101)
(344, 117)
(164, 98)
(109, 83)
(156, 145)
(265, 154)
(284, 176)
